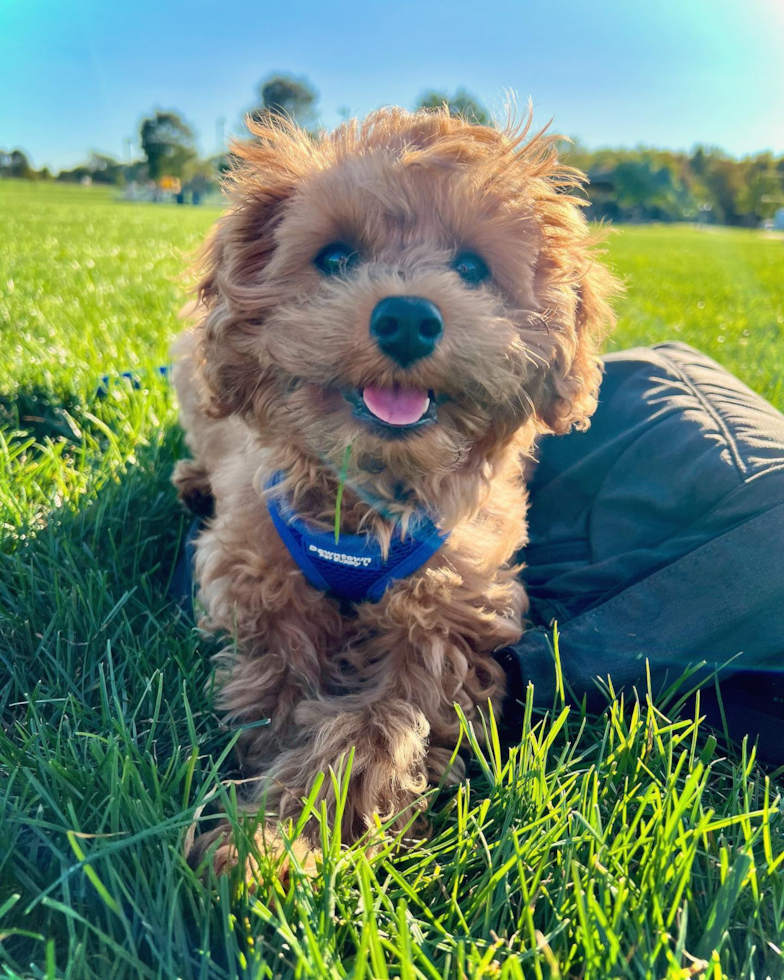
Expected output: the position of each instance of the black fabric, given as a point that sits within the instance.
(658, 535)
(181, 586)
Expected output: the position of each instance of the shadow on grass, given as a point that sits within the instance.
(42, 413)
(51, 413)
(96, 569)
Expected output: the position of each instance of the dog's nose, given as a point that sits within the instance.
(406, 328)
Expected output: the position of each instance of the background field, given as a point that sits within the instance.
(633, 847)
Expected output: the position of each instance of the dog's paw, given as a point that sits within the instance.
(268, 856)
(193, 487)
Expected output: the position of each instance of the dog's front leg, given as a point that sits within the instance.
(282, 634)
(426, 646)
(387, 737)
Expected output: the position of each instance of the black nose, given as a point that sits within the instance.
(406, 328)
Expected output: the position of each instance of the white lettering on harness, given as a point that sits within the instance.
(355, 561)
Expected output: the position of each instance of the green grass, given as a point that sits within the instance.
(721, 290)
(625, 845)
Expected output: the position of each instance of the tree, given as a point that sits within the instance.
(221, 164)
(105, 170)
(201, 176)
(76, 175)
(99, 169)
(287, 95)
(763, 190)
(168, 145)
(647, 188)
(15, 164)
(462, 103)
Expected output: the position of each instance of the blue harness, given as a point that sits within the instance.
(354, 568)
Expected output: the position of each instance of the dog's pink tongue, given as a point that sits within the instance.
(397, 406)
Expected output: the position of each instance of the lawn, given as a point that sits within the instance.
(627, 845)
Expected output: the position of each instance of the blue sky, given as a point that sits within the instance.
(80, 74)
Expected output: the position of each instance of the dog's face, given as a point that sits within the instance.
(415, 287)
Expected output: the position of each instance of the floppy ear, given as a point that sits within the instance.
(233, 295)
(572, 288)
(571, 384)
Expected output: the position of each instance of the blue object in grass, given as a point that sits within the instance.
(107, 380)
(354, 569)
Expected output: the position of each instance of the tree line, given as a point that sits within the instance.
(705, 185)
(640, 184)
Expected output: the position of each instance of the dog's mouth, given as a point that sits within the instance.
(393, 411)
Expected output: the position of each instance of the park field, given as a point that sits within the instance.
(632, 844)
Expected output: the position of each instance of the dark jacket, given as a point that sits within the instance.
(658, 535)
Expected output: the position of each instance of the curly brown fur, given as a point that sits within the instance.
(262, 379)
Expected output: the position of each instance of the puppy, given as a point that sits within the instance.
(387, 314)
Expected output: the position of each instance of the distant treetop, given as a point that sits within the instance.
(462, 103)
(168, 144)
(287, 95)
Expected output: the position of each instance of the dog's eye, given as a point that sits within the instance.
(336, 259)
(471, 268)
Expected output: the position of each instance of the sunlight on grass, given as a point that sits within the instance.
(720, 290)
(631, 844)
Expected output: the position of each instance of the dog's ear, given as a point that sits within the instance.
(572, 288)
(571, 382)
(233, 295)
